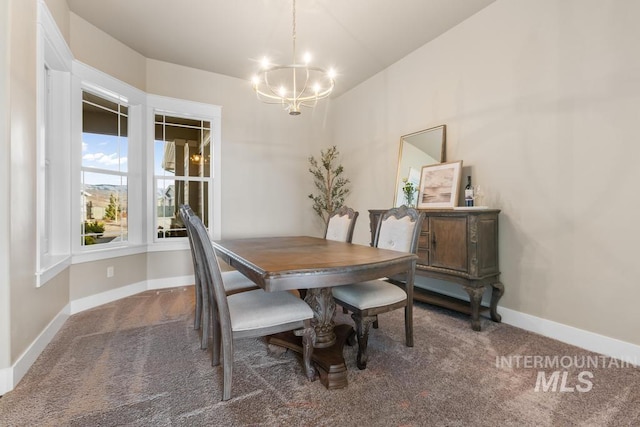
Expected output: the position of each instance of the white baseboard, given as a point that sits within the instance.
(170, 282)
(591, 341)
(612, 347)
(9, 377)
(96, 300)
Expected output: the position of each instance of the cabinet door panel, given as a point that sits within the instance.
(449, 243)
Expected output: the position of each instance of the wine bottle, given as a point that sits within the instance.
(468, 193)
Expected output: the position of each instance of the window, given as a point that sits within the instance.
(53, 195)
(182, 171)
(104, 170)
(46, 169)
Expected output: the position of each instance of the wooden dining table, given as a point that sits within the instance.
(315, 265)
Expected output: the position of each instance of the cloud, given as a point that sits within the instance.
(105, 159)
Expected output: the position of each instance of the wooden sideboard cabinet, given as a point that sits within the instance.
(461, 247)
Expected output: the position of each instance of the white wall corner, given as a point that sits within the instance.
(591, 341)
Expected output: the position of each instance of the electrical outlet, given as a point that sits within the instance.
(110, 271)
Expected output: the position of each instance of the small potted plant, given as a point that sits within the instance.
(409, 190)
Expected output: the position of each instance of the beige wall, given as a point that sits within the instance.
(31, 308)
(541, 102)
(90, 278)
(165, 264)
(264, 150)
(101, 51)
(5, 164)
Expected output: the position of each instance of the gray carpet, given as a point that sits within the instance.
(136, 362)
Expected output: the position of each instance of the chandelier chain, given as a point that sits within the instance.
(294, 31)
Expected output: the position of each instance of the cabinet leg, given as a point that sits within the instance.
(475, 296)
(497, 290)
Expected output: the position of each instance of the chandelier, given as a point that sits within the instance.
(293, 86)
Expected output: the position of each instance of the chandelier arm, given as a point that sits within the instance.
(269, 86)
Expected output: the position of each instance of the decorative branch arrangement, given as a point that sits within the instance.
(329, 182)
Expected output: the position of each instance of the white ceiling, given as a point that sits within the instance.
(358, 38)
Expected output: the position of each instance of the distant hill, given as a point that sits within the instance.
(99, 196)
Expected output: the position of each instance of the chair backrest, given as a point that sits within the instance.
(210, 273)
(399, 229)
(341, 224)
(186, 213)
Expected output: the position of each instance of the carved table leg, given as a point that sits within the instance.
(475, 296)
(321, 302)
(497, 290)
(308, 335)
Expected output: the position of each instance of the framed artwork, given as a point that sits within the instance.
(439, 185)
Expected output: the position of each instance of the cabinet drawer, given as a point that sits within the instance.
(423, 256)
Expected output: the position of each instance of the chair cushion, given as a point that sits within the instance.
(338, 228)
(373, 293)
(259, 309)
(235, 281)
(396, 234)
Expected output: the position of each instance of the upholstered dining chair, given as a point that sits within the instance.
(339, 228)
(341, 223)
(399, 230)
(234, 282)
(248, 314)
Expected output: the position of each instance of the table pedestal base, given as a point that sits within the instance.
(329, 360)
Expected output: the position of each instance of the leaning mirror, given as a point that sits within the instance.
(425, 147)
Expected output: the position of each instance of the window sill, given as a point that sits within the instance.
(51, 267)
(177, 244)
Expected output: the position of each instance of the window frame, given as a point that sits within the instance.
(53, 118)
(190, 110)
(91, 80)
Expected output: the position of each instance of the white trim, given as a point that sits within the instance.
(54, 115)
(591, 341)
(106, 297)
(59, 54)
(96, 300)
(13, 375)
(172, 244)
(170, 282)
(9, 377)
(54, 266)
(6, 380)
(183, 107)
